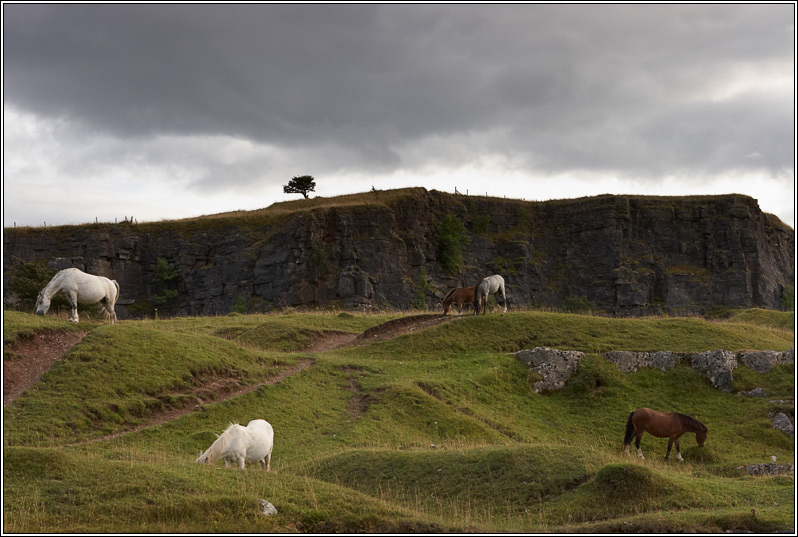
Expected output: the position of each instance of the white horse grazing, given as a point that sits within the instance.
(488, 286)
(80, 287)
(238, 443)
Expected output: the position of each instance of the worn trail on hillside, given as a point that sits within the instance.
(27, 360)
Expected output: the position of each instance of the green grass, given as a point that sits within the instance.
(21, 326)
(783, 320)
(438, 430)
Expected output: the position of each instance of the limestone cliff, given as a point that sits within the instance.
(626, 254)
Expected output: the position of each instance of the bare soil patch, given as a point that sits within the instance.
(29, 358)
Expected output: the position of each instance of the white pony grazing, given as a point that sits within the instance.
(237, 443)
(80, 287)
(488, 286)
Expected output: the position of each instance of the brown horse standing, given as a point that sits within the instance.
(670, 425)
(460, 296)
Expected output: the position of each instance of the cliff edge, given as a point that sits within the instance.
(630, 255)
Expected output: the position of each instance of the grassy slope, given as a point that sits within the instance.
(433, 431)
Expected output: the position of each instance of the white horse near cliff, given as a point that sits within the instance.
(80, 288)
(488, 286)
(238, 443)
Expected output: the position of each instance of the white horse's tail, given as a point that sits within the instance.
(481, 295)
(110, 311)
(219, 446)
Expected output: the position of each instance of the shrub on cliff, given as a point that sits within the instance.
(27, 280)
(165, 279)
(452, 240)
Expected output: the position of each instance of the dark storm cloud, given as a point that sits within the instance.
(627, 89)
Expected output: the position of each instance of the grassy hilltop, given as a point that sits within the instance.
(433, 430)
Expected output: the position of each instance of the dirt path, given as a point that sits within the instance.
(28, 359)
(386, 330)
(159, 418)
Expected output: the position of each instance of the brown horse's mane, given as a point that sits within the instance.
(691, 422)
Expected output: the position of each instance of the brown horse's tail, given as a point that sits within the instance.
(449, 295)
(630, 430)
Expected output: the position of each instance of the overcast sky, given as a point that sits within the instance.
(162, 111)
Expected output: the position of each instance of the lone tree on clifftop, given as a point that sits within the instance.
(300, 185)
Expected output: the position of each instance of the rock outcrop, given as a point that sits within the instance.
(717, 365)
(768, 468)
(763, 361)
(628, 361)
(555, 366)
(628, 255)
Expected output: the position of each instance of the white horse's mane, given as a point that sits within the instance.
(54, 282)
(213, 453)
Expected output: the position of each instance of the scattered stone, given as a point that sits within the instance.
(268, 508)
(717, 365)
(756, 392)
(783, 423)
(555, 366)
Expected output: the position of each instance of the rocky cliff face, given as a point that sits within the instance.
(626, 254)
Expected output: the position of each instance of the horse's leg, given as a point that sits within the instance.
(678, 452)
(504, 299)
(637, 445)
(670, 443)
(73, 306)
(267, 462)
(109, 309)
(226, 462)
(240, 459)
